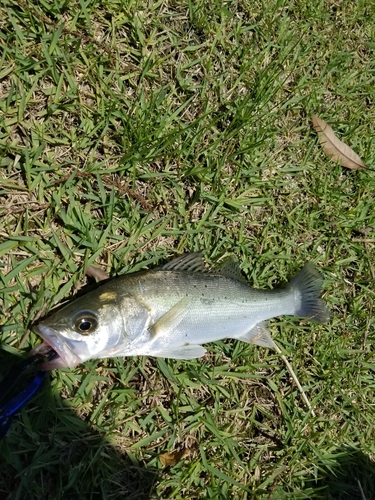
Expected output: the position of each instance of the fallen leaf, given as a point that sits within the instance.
(95, 272)
(334, 148)
(171, 459)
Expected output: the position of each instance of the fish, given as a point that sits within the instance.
(170, 311)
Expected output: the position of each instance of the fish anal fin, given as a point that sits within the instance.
(259, 335)
(169, 321)
(188, 351)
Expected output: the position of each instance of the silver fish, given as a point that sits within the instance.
(170, 311)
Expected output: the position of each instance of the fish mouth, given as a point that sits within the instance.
(64, 357)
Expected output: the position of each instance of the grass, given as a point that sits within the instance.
(134, 131)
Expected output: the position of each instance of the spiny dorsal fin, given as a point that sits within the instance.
(231, 269)
(192, 262)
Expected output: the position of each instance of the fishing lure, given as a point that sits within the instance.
(19, 386)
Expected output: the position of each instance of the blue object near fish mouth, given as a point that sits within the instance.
(19, 386)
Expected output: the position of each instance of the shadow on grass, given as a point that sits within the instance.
(352, 478)
(49, 454)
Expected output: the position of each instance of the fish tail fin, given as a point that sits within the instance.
(307, 286)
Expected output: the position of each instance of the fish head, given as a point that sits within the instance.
(89, 327)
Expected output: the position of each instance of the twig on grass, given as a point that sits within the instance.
(294, 377)
(109, 182)
(129, 192)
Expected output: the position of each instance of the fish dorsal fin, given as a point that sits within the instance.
(231, 269)
(192, 262)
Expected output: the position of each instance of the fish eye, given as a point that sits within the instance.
(85, 323)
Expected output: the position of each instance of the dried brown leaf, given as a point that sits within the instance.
(334, 148)
(171, 459)
(97, 273)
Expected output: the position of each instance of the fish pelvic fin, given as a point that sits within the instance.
(307, 287)
(188, 351)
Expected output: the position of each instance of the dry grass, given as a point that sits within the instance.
(132, 131)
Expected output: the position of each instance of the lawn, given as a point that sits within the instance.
(132, 132)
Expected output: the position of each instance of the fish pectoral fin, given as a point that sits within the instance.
(167, 323)
(188, 351)
(259, 335)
